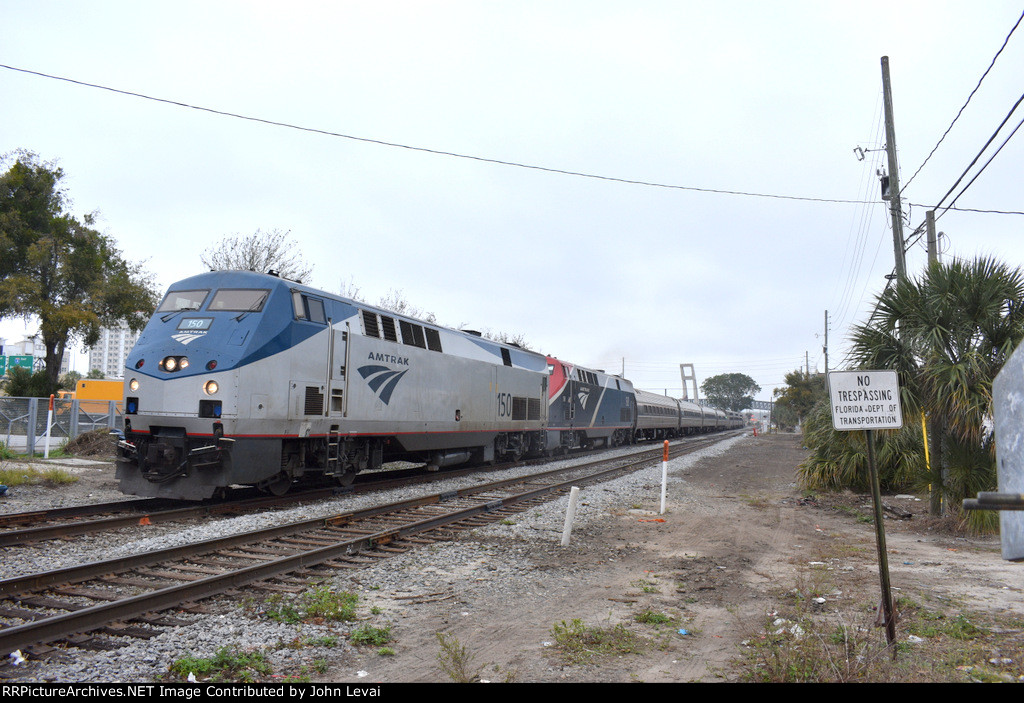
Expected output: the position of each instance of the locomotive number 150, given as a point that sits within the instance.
(504, 404)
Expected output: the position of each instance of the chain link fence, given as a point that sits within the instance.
(23, 421)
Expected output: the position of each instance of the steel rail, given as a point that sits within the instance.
(85, 619)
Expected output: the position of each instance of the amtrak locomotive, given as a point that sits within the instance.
(243, 378)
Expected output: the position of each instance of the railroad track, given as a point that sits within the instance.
(92, 597)
(61, 523)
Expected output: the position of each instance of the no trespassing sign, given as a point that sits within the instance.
(865, 400)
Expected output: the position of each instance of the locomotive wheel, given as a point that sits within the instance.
(280, 484)
(346, 479)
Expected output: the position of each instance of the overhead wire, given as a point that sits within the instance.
(918, 232)
(843, 307)
(982, 151)
(966, 103)
(439, 152)
(916, 235)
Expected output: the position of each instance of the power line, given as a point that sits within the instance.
(972, 209)
(920, 228)
(427, 150)
(439, 152)
(982, 151)
(982, 169)
(1005, 42)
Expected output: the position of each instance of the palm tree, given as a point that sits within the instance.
(947, 334)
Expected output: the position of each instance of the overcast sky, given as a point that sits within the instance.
(684, 98)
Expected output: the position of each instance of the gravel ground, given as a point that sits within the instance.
(407, 576)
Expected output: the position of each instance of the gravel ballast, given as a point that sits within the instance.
(436, 571)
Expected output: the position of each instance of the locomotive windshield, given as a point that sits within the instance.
(239, 299)
(183, 300)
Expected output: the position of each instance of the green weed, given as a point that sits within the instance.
(456, 660)
(579, 643)
(321, 604)
(369, 635)
(28, 476)
(228, 664)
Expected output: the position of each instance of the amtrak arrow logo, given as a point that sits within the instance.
(186, 338)
(381, 380)
(583, 397)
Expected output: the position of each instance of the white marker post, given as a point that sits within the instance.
(570, 514)
(664, 477)
(870, 400)
(49, 425)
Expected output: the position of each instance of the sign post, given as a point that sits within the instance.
(870, 400)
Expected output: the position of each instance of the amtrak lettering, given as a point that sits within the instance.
(388, 359)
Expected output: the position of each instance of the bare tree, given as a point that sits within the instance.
(396, 302)
(262, 252)
(515, 340)
(349, 289)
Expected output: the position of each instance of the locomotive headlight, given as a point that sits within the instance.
(133, 384)
(211, 387)
(170, 364)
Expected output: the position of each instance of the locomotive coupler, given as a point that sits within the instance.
(211, 454)
(129, 450)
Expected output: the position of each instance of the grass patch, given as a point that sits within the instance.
(319, 605)
(459, 664)
(228, 664)
(646, 586)
(809, 642)
(28, 476)
(579, 643)
(369, 635)
(759, 501)
(649, 617)
(303, 642)
(861, 517)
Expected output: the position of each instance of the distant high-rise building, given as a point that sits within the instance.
(108, 355)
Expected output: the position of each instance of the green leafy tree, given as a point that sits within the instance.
(69, 381)
(59, 269)
(801, 393)
(23, 383)
(947, 334)
(839, 460)
(730, 391)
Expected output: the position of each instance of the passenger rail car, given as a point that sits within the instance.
(246, 378)
(662, 417)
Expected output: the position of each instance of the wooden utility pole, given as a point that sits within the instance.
(825, 349)
(894, 175)
(933, 242)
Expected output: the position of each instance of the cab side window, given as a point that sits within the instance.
(308, 308)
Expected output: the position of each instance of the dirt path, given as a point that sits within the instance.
(736, 537)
